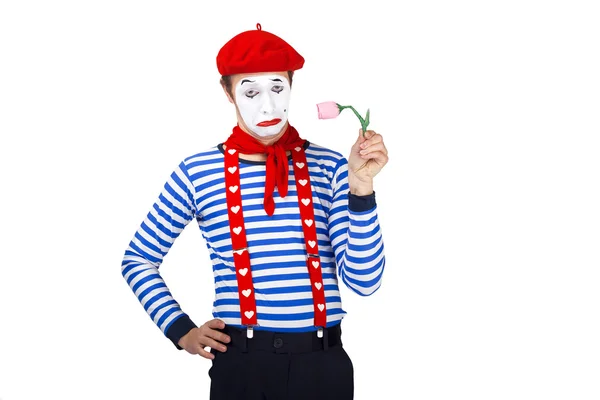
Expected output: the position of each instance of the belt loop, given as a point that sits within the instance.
(244, 344)
(326, 339)
(244, 341)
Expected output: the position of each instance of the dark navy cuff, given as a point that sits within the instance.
(179, 329)
(361, 203)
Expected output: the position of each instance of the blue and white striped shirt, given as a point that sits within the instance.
(349, 239)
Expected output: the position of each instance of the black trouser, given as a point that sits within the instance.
(282, 366)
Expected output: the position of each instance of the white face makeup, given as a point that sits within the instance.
(263, 102)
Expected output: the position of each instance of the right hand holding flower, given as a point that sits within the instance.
(197, 339)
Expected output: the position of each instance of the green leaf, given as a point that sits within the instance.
(367, 117)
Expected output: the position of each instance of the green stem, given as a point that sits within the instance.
(362, 121)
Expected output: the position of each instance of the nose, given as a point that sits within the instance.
(268, 106)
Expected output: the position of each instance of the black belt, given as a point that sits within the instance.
(284, 342)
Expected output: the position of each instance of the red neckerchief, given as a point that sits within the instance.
(277, 161)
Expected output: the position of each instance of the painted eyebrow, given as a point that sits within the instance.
(276, 79)
(245, 80)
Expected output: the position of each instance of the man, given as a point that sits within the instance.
(283, 218)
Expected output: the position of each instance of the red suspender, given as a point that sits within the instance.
(241, 258)
(307, 215)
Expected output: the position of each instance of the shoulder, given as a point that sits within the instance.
(324, 155)
(329, 159)
(202, 158)
(206, 153)
(319, 152)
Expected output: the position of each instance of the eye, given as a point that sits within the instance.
(251, 93)
(277, 88)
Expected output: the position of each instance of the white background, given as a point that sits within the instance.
(488, 204)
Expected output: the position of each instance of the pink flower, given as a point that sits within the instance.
(331, 109)
(328, 109)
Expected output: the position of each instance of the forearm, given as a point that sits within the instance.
(145, 281)
(355, 233)
(363, 261)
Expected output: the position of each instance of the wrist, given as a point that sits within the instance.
(360, 188)
(179, 329)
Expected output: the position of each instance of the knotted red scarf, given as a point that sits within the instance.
(277, 166)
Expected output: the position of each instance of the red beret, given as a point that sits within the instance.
(257, 51)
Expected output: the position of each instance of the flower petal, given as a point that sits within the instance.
(328, 109)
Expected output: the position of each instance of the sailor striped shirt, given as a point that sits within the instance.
(349, 240)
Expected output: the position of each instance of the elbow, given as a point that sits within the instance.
(364, 292)
(369, 290)
(364, 288)
(126, 266)
(130, 260)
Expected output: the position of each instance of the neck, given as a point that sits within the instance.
(266, 140)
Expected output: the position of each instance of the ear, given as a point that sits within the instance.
(227, 94)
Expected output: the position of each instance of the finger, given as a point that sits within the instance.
(372, 140)
(370, 134)
(378, 156)
(215, 324)
(220, 336)
(213, 344)
(361, 137)
(192, 350)
(205, 354)
(375, 147)
(356, 145)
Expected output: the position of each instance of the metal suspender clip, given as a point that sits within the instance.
(320, 332)
(250, 330)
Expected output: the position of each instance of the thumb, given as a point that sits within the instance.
(361, 137)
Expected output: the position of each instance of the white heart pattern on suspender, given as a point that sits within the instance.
(321, 306)
(233, 189)
(243, 271)
(235, 209)
(231, 151)
(247, 292)
(318, 285)
(249, 314)
(308, 222)
(312, 243)
(232, 169)
(300, 164)
(305, 201)
(303, 182)
(237, 230)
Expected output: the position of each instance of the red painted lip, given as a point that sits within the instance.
(269, 123)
